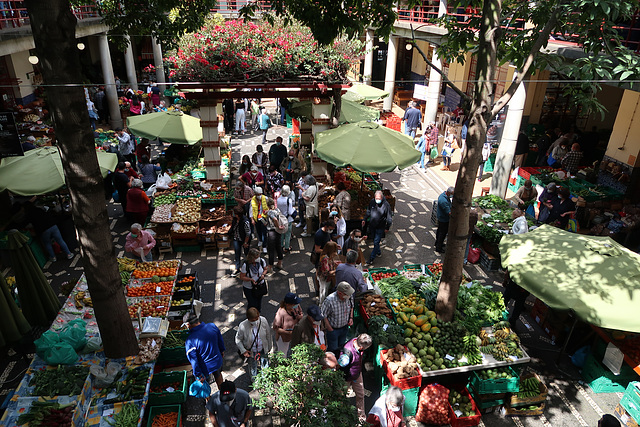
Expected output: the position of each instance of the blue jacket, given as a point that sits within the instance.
(412, 116)
(204, 347)
(444, 207)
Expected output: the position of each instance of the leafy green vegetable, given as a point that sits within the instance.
(62, 381)
(490, 234)
(490, 202)
(499, 216)
(388, 335)
(480, 303)
(396, 287)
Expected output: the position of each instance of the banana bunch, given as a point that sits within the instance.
(502, 334)
(501, 325)
(81, 299)
(125, 276)
(126, 264)
(471, 349)
(500, 351)
(529, 387)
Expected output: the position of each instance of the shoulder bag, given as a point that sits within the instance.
(259, 289)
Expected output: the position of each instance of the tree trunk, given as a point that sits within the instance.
(337, 107)
(53, 25)
(461, 203)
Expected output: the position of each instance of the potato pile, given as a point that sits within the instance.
(401, 363)
(188, 209)
(375, 305)
(212, 214)
(162, 214)
(186, 229)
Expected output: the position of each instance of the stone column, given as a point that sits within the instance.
(109, 82)
(157, 61)
(368, 59)
(130, 66)
(433, 91)
(507, 148)
(321, 113)
(305, 134)
(390, 74)
(211, 141)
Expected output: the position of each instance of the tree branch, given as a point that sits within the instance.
(445, 79)
(525, 70)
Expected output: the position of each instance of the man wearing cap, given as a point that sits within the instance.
(347, 272)
(337, 309)
(549, 195)
(350, 362)
(310, 330)
(444, 212)
(230, 406)
(205, 349)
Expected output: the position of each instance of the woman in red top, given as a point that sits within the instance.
(137, 202)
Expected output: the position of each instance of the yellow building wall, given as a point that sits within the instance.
(418, 65)
(626, 131)
(535, 96)
(610, 97)
(459, 73)
(22, 66)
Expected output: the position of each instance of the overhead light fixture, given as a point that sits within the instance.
(33, 59)
(409, 46)
(81, 46)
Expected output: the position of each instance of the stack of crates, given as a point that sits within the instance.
(489, 394)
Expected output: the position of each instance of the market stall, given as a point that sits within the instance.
(71, 381)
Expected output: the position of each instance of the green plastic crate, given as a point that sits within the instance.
(602, 380)
(157, 410)
(502, 385)
(177, 396)
(174, 355)
(412, 267)
(483, 403)
(631, 400)
(411, 397)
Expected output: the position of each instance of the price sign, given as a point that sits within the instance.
(158, 289)
(449, 357)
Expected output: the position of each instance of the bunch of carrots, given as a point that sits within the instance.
(169, 419)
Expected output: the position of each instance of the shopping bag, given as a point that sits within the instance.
(163, 182)
(74, 334)
(434, 152)
(474, 255)
(61, 354)
(47, 340)
(200, 388)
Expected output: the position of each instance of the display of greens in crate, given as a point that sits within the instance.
(128, 386)
(498, 216)
(481, 303)
(490, 234)
(48, 413)
(490, 202)
(396, 287)
(62, 381)
(385, 332)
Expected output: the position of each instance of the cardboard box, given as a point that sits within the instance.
(624, 417)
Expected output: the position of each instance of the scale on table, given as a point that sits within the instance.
(153, 327)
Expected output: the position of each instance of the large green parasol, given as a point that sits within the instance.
(367, 147)
(40, 171)
(13, 325)
(38, 301)
(594, 276)
(350, 112)
(174, 127)
(360, 92)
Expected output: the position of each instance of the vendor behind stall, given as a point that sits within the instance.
(140, 243)
(561, 209)
(525, 194)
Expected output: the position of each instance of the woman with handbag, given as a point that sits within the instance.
(326, 272)
(254, 341)
(252, 273)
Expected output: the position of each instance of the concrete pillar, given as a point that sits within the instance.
(306, 129)
(109, 82)
(368, 59)
(433, 91)
(390, 74)
(130, 66)
(507, 148)
(321, 113)
(157, 61)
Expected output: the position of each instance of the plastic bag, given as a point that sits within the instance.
(151, 190)
(47, 340)
(94, 344)
(580, 356)
(163, 182)
(433, 407)
(74, 334)
(474, 255)
(200, 388)
(61, 354)
(434, 152)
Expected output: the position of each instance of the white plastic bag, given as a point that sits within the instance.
(151, 190)
(163, 182)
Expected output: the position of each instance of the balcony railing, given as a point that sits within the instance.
(13, 13)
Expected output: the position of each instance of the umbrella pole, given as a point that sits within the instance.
(566, 342)
(362, 183)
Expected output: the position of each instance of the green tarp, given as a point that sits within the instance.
(367, 147)
(169, 126)
(350, 112)
(360, 92)
(595, 277)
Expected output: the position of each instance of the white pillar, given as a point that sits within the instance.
(390, 74)
(433, 91)
(130, 66)
(109, 82)
(368, 59)
(321, 113)
(157, 61)
(507, 148)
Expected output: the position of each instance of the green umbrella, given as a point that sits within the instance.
(594, 276)
(40, 171)
(174, 127)
(360, 92)
(38, 301)
(350, 112)
(13, 325)
(367, 147)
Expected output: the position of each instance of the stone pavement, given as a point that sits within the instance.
(410, 241)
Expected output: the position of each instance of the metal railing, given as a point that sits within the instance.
(13, 13)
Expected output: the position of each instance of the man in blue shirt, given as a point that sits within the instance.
(347, 272)
(444, 211)
(205, 349)
(412, 118)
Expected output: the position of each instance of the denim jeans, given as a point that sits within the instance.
(286, 237)
(378, 234)
(446, 160)
(261, 232)
(264, 135)
(410, 132)
(336, 339)
(53, 233)
(254, 360)
(274, 246)
(240, 118)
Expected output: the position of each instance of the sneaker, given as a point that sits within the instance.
(53, 259)
(70, 255)
(305, 235)
(300, 225)
(383, 242)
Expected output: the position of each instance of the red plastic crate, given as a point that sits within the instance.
(471, 421)
(363, 313)
(526, 172)
(405, 383)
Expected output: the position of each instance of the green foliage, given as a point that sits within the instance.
(246, 51)
(385, 331)
(165, 19)
(329, 20)
(302, 392)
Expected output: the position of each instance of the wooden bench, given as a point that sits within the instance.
(402, 97)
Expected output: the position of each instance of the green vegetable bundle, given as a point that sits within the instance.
(490, 202)
(480, 303)
(386, 332)
(490, 234)
(62, 381)
(396, 287)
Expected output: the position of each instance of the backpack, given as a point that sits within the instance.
(283, 222)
